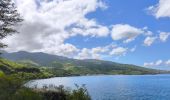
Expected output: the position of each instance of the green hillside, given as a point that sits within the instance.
(62, 66)
(13, 76)
(21, 70)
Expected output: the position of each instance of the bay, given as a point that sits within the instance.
(116, 87)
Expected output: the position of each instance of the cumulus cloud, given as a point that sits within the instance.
(47, 24)
(93, 53)
(94, 31)
(157, 63)
(149, 40)
(162, 9)
(100, 52)
(84, 54)
(164, 36)
(133, 49)
(150, 64)
(119, 51)
(148, 33)
(66, 49)
(126, 32)
(167, 62)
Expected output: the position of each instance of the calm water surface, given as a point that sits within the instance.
(117, 87)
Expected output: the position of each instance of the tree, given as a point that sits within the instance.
(9, 18)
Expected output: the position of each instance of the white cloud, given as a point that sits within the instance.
(148, 33)
(151, 64)
(157, 63)
(133, 49)
(48, 24)
(162, 9)
(119, 51)
(94, 31)
(93, 53)
(100, 52)
(164, 36)
(167, 63)
(68, 50)
(126, 32)
(149, 40)
(84, 54)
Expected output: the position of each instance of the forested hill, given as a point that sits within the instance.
(65, 66)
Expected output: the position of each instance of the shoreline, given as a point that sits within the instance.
(101, 75)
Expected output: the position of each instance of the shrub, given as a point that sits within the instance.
(80, 93)
(11, 88)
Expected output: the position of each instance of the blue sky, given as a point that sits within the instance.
(133, 12)
(126, 31)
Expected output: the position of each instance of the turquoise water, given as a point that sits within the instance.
(118, 87)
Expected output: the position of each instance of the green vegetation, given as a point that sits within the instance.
(13, 76)
(52, 65)
(11, 88)
(1, 73)
(22, 71)
(9, 18)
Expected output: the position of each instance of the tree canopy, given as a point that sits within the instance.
(9, 18)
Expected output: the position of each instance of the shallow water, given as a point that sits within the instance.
(117, 87)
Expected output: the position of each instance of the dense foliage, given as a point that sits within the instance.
(9, 18)
(22, 71)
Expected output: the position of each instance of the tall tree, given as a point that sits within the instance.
(9, 18)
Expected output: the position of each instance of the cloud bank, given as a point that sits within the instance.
(47, 24)
(157, 63)
(162, 9)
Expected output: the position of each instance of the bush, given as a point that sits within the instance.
(52, 92)
(1, 73)
(11, 88)
(80, 93)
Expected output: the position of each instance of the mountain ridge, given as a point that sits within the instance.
(15, 56)
(75, 66)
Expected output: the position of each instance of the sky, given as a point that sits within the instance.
(125, 31)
